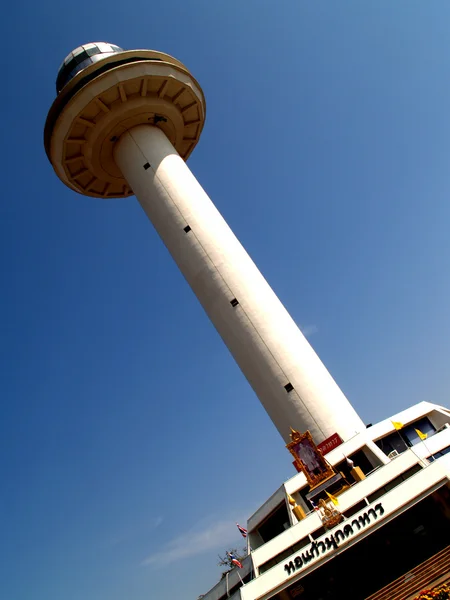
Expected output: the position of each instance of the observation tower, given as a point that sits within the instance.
(124, 122)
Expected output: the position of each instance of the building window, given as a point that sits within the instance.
(234, 302)
(360, 460)
(355, 508)
(275, 523)
(289, 387)
(393, 483)
(406, 437)
(393, 441)
(187, 229)
(443, 452)
(317, 533)
(147, 166)
(410, 434)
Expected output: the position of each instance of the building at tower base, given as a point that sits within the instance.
(392, 539)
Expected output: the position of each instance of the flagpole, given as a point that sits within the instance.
(428, 451)
(423, 437)
(416, 455)
(398, 427)
(244, 534)
(402, 438)
(430, 458)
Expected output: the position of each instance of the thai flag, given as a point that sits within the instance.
(242, 530)
(234, 560)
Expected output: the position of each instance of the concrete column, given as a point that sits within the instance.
(260, 334)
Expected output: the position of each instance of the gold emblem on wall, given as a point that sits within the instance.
(329, 515)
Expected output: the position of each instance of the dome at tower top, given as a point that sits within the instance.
(82, 57)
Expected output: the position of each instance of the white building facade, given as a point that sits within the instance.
(396, 518)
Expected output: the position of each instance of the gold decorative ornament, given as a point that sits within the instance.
(329, 515)
(309, 458)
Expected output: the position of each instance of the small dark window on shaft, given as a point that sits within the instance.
(289, 387)
(234, 302)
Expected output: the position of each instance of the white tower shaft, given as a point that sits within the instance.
(260, 334)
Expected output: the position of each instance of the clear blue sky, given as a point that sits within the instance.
(129, 440)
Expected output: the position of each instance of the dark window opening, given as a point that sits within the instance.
(234, 302)
(443, 452)
(187, 229)
(409, 432)
(276, 523)
(360, 460)
(147, 166)
(402, 439)
(392, 442)
(393, 483)
(354, 509)
(289, 387)
(317, 533)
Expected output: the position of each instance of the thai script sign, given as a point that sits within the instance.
(332, 541)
